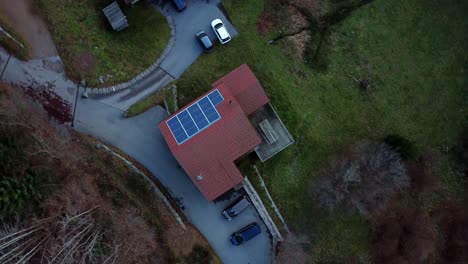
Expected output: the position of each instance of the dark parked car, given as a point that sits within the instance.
(205, 41)
(180, 4)
(236, 208)
(245, 234)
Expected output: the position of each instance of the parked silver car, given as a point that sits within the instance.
(236, 208)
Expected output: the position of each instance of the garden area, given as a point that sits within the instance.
(91, 50)
(377, 71)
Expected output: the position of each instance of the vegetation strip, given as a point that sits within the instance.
(260, 207)
(153, 186)
(273, 204)
(11, 37)
(12, 41)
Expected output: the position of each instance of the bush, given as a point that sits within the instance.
(17, 194)
(460, 151)
(363, 180)
(406, 148)
(17, 180)
(453, 224)
(199, 255)
(407, 237)
(423, 172)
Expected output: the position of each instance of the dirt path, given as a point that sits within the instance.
(30, 25)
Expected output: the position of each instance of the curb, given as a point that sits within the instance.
(262, 211)
(152, 68)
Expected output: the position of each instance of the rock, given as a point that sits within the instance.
(83, 83)
(85, 94)
(364, 84)
(101, 79)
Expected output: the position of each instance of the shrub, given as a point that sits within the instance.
(423, 172)
(199, 255)
(17, 194)
(363, 180)
(453, 223)
(407, 237)
(406, 148)
(460, 151)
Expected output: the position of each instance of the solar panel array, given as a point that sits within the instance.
(196, 117)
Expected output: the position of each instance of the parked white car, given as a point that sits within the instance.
(220, 31)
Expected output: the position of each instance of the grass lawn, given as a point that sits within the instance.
(79, 27)
(157, 98)
(414, 54)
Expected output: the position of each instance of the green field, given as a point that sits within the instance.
(414, 54)
(80, 26)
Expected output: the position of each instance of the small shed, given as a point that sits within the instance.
(116, 17)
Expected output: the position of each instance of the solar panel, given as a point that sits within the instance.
(198, 116)
(215, 97)
(177, 129)
(195, 118)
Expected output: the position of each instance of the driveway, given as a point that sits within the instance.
(184, 51)
(196, 17)
(140, 138)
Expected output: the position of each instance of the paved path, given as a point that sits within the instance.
(140, 139)
(125, 98)
(139, 136)
(20, 13)
(181, 51)
(196, 17)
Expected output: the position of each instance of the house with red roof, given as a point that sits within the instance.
(228, 122)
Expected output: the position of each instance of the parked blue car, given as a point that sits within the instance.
(245, 234)
(180, 4)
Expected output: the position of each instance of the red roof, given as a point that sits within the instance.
(246, 88)
(211, 153)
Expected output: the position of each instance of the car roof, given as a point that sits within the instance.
(240, 204)
(206, 41)
(250, 231)
(223, 32)
(216, 21)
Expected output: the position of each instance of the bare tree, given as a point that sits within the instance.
(58, 239)
(363, 179)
